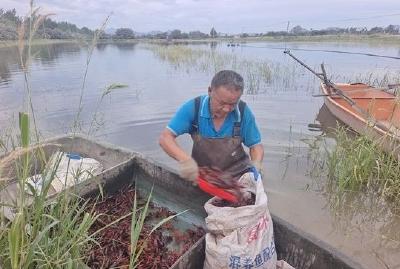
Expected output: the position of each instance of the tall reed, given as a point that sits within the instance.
(259, 74)
(358, 162)
(360, 182)
(43, 233)
(39, 231)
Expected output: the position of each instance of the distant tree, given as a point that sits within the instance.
(55, 34)
(278, 33)
(9, 16)
(197, 35)
(392, 29)
(48, 29)
(375, 30)
(354, 30)
(334, 30)
(86, 31)
(298, 30)
(176, 34)
(50, 24)
(213, 33)
(244, 35)
(124, 33)
(67, 27)
(163, 35)
(102, 34)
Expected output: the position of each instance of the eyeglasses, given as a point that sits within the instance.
(221, 103)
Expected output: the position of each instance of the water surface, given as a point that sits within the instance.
(133, 117)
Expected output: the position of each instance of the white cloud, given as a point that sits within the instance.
(225, 15)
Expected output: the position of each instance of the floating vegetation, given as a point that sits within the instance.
(259, 75)
(377, 78)
(357, 162)
(360, 182)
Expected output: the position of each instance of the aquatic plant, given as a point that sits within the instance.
(259, 75)
(35, 230)
(358, 162)
(359, 181)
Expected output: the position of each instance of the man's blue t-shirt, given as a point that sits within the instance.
(181, 123)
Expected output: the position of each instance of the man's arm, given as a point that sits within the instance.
(256, 156)
(257, 153)
(252, 137)
(180, 124)
(188, 168)
(168, 143)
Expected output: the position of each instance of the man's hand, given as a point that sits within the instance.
(258, 168)
(189, 170)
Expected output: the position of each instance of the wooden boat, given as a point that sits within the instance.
(123, 167)
(367, 110)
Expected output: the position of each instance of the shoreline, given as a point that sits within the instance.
(35, 42)
(308, 39)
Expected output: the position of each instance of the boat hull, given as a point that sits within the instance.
(301, 250)
(383, 124)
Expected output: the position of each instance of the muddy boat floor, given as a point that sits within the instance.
(161, 249)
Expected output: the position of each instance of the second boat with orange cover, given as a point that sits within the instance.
(370, 111)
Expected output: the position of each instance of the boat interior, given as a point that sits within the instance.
(382, 105)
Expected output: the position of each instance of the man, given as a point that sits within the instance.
(219, 124)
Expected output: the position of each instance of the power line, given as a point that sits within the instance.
(372, 17)
(328, 51)
(283, 23)
(355, 18)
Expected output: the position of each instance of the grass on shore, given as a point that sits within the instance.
(373, 38)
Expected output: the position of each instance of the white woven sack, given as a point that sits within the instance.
(240, 237)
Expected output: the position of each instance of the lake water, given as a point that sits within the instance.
(134, 116)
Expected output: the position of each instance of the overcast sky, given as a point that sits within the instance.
(228, 16)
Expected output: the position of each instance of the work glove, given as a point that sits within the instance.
(189, 170)
(257, 169)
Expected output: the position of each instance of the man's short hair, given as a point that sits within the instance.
(228, 78)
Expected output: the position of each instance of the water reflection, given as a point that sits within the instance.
(213, 45)
(9, 57)
(44, 55)
(328, 122)
(102, 46)
(365, 211)
(128, 45)
(49, 53)
(125, 45)
(277, 89)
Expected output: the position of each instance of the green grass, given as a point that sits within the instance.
(258, 74)
(137, 224)
(360, 182)
(376, 78)
(43, 233)
(358, 164)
